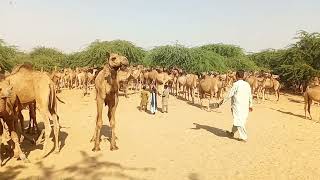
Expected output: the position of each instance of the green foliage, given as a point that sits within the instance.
(205, 61)
(295, 64)
(7, 53)
(169, 57)
(47, 58)
(225, 50)
(97, 53)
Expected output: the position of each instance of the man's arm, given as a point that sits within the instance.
(231, 93)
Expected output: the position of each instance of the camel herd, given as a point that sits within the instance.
(25, 87)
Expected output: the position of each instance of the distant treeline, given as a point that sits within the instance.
(297, 63)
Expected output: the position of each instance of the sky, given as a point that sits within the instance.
(70, 25)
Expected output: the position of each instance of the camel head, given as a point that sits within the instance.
(5, 89)
(117, 61)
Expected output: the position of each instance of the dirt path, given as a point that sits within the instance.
(187, 143)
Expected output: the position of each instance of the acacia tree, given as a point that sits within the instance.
(7, 53)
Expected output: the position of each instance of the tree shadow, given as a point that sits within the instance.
(90, 167)
(213, 130)
(193, 176)
(12, 172)
(289, 113)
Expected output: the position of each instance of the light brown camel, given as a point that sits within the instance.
(181, 85)
(123, 76)
(255, 84)
(9, 126)
(211, 86)
(34, 86)
(269, 83)
(135, 77)
(191, 85)
(107, 91)
(311, 94)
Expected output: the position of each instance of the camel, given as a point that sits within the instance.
(181, 84)
(205, 87)
(255, 84)
(135, 77)
(175, 72)
(9, 127)
(152, 77)
(212, 86)
(107, 92)
(91, 76)
(123, 80)
(191, 85)
(269, 83)
(36, 87)
(311, 94)
(56, 77)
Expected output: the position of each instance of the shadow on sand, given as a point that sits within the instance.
(213, 130)
(89, 167)
(295, 100)
(289, 113)
(148, 111)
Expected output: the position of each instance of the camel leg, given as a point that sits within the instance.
(309, 106)
(47, 131)
(34, 118)
(56, 131)
(111, 115)
(278, 94)
(192, 95)
(17, 149)
(263, 94)
(96, 136)
(1, 134)
(21, 118)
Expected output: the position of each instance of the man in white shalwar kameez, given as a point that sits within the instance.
(241, 104)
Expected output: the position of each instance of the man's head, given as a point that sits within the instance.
(240, 74)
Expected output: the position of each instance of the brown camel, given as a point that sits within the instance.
(9, 126)
(135, 77)
(191, 85)
(181, 85)
(123, 76)
(210, 86)
(107, 91)
(311, 94)
(269, 83)
(255, 84)
(34, 86)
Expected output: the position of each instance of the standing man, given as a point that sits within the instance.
(165, 99)
(154, 104)
(241, 104)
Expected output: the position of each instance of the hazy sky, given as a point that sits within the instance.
(70, 25)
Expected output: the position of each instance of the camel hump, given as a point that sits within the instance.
(25, 66)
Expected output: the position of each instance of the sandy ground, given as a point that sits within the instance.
(188, 143)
